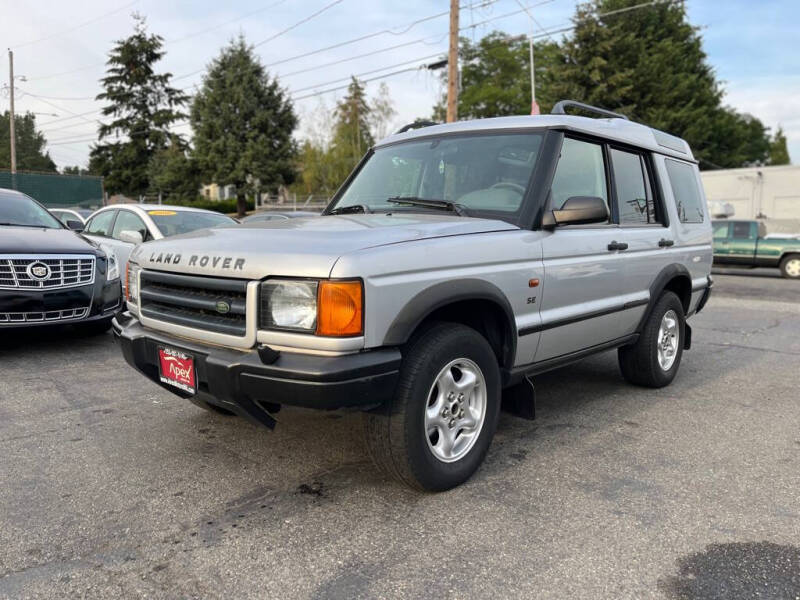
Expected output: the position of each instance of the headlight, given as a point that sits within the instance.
(326, 308)
(132, 282)
(287, 304)
(112, 268)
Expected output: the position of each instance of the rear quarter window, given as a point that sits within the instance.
(685, 191)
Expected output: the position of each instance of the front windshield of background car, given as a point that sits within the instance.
(22, 211)
(481, 172)
(174, 222)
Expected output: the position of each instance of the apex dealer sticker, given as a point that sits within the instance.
(176, 368)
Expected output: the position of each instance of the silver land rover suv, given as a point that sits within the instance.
(454, 264)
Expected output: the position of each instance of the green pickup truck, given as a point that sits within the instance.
(746, 244)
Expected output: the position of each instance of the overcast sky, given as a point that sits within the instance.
(60, 48)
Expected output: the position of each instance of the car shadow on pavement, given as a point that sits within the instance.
(51, 339)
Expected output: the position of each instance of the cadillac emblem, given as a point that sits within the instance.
(38, 271)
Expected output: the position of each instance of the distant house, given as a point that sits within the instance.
(216, 192)
(755, 192)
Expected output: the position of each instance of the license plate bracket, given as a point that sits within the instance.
(177, 368)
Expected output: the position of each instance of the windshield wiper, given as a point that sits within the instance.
(352, 208)
(26, 225)
(460, 210)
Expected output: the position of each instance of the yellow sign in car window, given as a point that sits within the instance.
(162, 213)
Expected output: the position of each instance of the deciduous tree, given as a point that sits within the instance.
(31, 155)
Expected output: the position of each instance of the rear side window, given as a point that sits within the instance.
(101, 224)
(743, 231)
(688, 199)
(580, 172)
(635, 201)
(720, 231)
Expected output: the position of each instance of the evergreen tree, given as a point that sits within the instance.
(142, 106)
(649, 64)
(496, 77)
(778, 150)
(31, 155)
(243, 123)
(173, 174)
(351, 131)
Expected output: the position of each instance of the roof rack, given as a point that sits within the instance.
(559, 107)
(416, 125)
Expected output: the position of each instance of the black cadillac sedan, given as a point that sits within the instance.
(50, 274)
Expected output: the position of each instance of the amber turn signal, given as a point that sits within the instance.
(340, 308)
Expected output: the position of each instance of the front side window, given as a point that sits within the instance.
(688, 199)
(101, 223)
(635, 203)
(580, 172)
(484, 173)
(128, 221)
(18, 210)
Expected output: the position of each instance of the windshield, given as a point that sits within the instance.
(481, 172)
(22, 211)
(174, 222)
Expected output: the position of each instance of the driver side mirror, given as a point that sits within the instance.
(75, 225)
(130, 236)
(578, 210)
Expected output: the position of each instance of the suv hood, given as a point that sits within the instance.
(43, 240)
(303, 247)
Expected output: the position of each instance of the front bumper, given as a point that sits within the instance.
(252, 382)
(36, 307)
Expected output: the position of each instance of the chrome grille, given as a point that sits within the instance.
(64, 271)
(192, 301)
(16, 318)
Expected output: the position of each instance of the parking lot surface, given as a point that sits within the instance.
(111, 486)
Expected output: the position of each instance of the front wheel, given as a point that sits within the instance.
(437, 430)
(654, 359)
(790, 266)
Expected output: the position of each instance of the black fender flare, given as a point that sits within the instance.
(441, 294)
(666, 275)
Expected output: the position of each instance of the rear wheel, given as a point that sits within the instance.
(438, 428)
(790, 266)
(654, 359)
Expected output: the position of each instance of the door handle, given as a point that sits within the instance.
(617, 246)
(664, 243)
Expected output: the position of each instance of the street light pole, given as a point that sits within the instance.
(11, 117)
(452, 65)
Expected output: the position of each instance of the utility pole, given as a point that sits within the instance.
(11, 117)
(452, 65)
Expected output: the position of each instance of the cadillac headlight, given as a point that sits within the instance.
(289, 304)
(112, 267)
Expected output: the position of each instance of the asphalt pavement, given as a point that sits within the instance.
(112, 487)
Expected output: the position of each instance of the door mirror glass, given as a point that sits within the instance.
(132, 237)
(581, 210)
(75, 225)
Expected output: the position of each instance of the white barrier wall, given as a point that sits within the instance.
(757, 192)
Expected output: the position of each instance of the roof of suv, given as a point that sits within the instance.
(616, 129)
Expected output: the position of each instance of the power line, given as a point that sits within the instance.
(357, 75)
(89, 22)
(223, 24)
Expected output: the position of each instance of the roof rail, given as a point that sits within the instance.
(559, 107)
(416, 125)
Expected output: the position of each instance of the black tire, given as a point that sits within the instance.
(211, 407)
(396, 436)
(787, 266)
(639, 362)
(98, 327)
